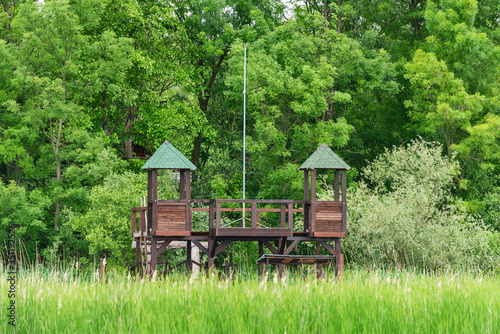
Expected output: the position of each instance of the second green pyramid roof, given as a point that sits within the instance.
(168, 157)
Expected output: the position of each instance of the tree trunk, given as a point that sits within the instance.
(325, 10)
(128, 140)
(195, 156)
(58, 170)
(339, 17)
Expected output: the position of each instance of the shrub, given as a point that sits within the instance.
(404, 215)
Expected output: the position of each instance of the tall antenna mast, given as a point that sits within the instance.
(244, 123)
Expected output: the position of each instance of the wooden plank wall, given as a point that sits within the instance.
(172, 217)
(329, 216)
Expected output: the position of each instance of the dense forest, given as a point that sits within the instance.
(406, 92)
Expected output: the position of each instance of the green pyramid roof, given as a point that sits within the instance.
(168, 157)
(324, 158)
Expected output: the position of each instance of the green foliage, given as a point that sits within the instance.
(26, 210)
(408, 217)
(89, 88)
(440, 104)
(106, 225)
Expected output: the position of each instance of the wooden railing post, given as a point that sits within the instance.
(306, 198)
(189, 216)
(344, 201)
(217, 217)
(211, 217)
(133, 222)
(254, 214)
(336, 186)
(142, 222)
(182, 184)
(290, 218)
(312, 222)
(283, 215)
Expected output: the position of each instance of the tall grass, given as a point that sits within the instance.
(359, 302)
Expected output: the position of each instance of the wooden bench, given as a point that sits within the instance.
(278, 259)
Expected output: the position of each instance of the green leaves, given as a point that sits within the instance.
(404, 215)
(439, 103)
(483, 142)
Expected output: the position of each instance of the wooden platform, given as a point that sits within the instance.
(295, 259)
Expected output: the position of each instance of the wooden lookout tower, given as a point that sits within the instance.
(163, 221)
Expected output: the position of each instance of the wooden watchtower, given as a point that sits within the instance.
(171, 220)
(325, 218)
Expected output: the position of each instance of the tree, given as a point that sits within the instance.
(404, 215)
(210, 28)
(27, 211)
(48, 57)
(440, 103)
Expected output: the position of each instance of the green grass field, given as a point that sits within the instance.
(359, 302)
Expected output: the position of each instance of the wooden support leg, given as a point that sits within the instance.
(319, 267)
(267, 267)
(261, 265)
(281, 249)
(339, 258)
(154, 256)
(189, 264)
(137, 255)
(211, 250)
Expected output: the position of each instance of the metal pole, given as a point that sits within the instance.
(244, 123)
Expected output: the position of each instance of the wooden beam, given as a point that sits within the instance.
(282, 245)
(327, 247)
(329, 235)
(150, 201)
(246, 209)
(270, 247)
(313, 184)
(241, 232)
(336, 185)
(210, 216)
(173, 233)
(344, 200)
(306, 185)
(306, 198)
(154, 256)
(137, 256)
(319, 266)
(283, 215)
(291, 247)
(188, 184)
(142, 222)
(339, 259)
(261, 265)
(182, 184)
(154, 200)
(217, 216)
(290, 218)
(133, 223)
(189, 264)
(200, 246)
(163, 247)
(221, 247)
(255, 215)
(312, 222)
(189, 216)
(211, 248)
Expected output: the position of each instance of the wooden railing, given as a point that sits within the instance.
(255, 229)
(142, 221)
(174, 218)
